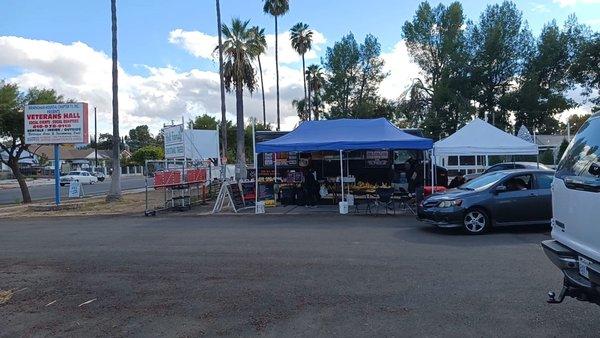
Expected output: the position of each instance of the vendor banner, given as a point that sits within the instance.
(65, 123)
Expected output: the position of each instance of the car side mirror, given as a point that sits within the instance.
(500, 188)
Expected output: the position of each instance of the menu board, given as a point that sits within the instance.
(283, 159)
(377, 158)
(236, 195)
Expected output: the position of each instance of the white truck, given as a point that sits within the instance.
(575, 244)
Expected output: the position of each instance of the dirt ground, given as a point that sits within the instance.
(130, 204)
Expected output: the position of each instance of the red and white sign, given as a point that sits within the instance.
(166, 178)
(56, 123)
(196, 175)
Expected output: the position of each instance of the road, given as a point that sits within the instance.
(44, 192)
(322, 275)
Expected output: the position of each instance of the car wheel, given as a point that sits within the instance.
(92, 182)
(476, 221)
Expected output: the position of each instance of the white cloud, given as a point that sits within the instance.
(78, 71)
(540, 8)
(570, 3)
(197, 43)
(402, 70)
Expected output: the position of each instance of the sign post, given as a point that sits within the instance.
(56, 124)
(57, 174)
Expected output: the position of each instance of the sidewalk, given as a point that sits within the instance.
(9, 184)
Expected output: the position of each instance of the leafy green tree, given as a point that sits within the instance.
(277, 8)
(12, 128)
(239, 51)
(205, 122)
(355, 73)
(140, 137)
(435, 39)
(542, 91)
(575, 122)
(341, 63)
(301, 39)
(585, 70)
(367, 100)
(143, 154)
(499, 44)
(260, 44)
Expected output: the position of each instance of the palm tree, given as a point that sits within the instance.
(239, 51)
(277, 8)
(316, 80)
(260, 43)
(300, 106)
(222, 85)
(114, 193)
(301, 38)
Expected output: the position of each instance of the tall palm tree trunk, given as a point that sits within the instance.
(222, 84)
(262, 87)
(309, 103)
(277, 72)
(240, 142)
(306, 108)
(115, 185)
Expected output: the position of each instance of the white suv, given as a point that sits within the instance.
(575, 248)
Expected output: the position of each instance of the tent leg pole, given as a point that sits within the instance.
(342, 174)
(424, 169)
(432, 171)
(255, 158)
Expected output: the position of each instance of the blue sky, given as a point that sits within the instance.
(145, 27)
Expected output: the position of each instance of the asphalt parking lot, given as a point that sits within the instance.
(292, 275)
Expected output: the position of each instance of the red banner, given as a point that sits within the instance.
(167, 178)
(196, 175)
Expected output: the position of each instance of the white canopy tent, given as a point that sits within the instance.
(479, 138)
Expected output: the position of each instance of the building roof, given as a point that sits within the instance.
(66, 153)
(549, 140)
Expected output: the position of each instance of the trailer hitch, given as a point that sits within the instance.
(561, 296)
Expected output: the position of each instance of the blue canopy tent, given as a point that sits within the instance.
(344, 134)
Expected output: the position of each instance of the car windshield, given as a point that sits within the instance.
(74, 173)
(582, 157)
(483, 182)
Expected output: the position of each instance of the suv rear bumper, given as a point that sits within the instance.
(567, 261)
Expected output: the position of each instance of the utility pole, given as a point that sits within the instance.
(222, 85)
(95, 141)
